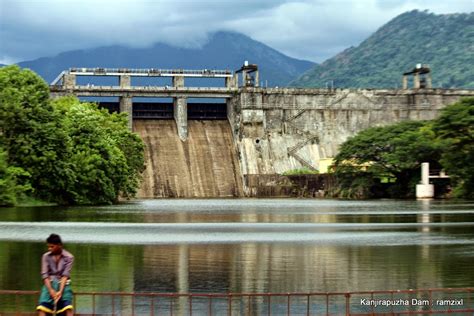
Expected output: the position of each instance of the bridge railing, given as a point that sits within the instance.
(455, 301)
(148, 71)
(139, 88)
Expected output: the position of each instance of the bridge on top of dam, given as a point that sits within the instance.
(239, 132)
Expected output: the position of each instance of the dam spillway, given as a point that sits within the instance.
(205, 165)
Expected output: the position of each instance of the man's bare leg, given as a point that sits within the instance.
(41, 313)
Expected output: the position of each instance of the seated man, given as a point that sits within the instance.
(56, 264)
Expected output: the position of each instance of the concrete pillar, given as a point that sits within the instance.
(181, 117)
(126, 106)
(416, 81)
(405, 82)
(428, 81)
(425, 190)
(125, 81)
(425, 173)
(231, 82)
(178, 81)
(257, 78)
(244, 78)
(69, 80)
(230, 112)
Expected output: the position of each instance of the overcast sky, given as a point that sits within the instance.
(308, 29)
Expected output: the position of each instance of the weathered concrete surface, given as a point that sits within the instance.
(181, 117)
(205, 165)
(276, 130)
(126, 105)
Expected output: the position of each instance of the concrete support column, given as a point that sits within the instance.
(428, 81)
(231, 82)
(257, 78)
(69, 80)
(425, 190)
(405, 82)
(125, 81)
(425, 173)
(416, 81)
(178, 81)
(181, 117)
(126, 106)
(244, 78)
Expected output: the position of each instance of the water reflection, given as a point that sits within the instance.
(246, 246)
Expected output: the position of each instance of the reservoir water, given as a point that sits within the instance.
(246, 245)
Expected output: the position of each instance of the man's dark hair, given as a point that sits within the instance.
(54, 239)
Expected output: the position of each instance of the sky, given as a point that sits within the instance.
(306, 29)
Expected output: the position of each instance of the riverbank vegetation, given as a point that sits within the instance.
(62, 151)
(301, 171)
(385, 161)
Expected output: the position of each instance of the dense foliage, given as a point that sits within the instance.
(394, 154)
(62, 151)
(14, 182)
(442, 41)
(455, 129)
(300, 171)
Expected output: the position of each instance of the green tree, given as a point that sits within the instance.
(105, 157)
(14, 182)
(31, 131)
(455, 129)
(390, 152)
(66, 151)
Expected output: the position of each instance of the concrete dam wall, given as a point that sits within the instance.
(282, 129)
(205, 165)
(276, 130)
(268, 132)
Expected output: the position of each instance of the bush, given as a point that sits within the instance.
(300, 171)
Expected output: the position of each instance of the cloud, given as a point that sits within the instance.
(309, 29)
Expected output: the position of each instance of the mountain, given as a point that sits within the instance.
(444, 42)
(224, 50)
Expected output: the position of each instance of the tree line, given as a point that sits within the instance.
(388, 158)
(62, 150)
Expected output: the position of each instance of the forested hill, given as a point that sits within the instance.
(224, 50)
(444, 42)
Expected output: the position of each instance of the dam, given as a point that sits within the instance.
(240, 133)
